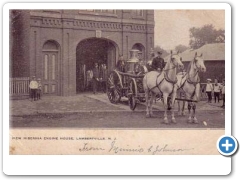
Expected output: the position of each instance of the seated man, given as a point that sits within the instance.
(158, 63)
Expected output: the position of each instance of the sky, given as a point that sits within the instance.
(172, 26)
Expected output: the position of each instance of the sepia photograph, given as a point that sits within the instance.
(116, 81)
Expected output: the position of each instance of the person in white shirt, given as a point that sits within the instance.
(216, 88)
(209, 89)
(33, 88)
(223, 93)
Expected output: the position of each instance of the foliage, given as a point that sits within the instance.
(181, 48)
(205, 35)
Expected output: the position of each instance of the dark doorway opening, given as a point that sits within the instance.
(89, 52)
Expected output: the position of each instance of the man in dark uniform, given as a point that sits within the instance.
(95, 78)
(158, 63)
(121, 64)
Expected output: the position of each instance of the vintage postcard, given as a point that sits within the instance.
(148, 79)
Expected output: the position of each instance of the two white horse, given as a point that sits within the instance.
(189, 84)
(164, 83)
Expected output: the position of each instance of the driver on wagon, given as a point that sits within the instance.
(158, 62)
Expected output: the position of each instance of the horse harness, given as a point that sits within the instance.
(190, 82)
(165, 78)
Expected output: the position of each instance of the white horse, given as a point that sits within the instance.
(189, 84)
(163, 83)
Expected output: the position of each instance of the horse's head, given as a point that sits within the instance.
(176, 60)
(199, 63)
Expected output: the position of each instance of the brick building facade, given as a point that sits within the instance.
(59, 46)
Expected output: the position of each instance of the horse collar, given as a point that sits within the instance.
(169, 80)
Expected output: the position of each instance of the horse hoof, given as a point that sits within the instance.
(174, 121)
(183, 113)
(179, 113)
(195, 121)
(151, 115)
(190, 121)
(147, 115)
(166, 121)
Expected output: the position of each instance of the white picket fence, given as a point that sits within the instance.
(19, 86)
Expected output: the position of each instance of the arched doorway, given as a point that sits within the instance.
(140, 47)
(50, 56)
(88, 52)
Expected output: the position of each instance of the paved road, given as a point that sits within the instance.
(95, 111)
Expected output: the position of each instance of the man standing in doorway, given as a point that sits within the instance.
(103, 77)
(95, 79)
(158, 62)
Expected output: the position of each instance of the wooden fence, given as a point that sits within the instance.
(19, 86)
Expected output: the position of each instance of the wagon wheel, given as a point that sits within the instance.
(114, 86)
(132, 95)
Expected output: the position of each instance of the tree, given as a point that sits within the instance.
(205, 35)
(181, 48)
(164, 52)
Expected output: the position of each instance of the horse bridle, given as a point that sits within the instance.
(166, 78)
(174, 65)
(191, 82)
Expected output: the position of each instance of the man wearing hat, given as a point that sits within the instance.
(158, 62)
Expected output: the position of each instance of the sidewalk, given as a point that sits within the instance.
(86, 102)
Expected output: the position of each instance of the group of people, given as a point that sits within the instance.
(35, 89)
(155, 64)
(216, 89)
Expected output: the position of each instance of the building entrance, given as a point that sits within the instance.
(89, 52)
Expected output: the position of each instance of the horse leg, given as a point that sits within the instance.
(165, 104)
(151, 103)
(183, 108)
(179, 108)
(194, 115)
(189, 111)
(173, 107)
(147, 103)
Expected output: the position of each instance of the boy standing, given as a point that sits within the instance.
(39, 90)
(33, 88)
(209, 89)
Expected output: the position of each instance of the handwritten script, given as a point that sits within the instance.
(114, 148)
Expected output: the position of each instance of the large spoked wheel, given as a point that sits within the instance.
(132, 95)
(132, 102)
(114, 86)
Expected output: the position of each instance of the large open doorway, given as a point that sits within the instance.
(89, 52)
